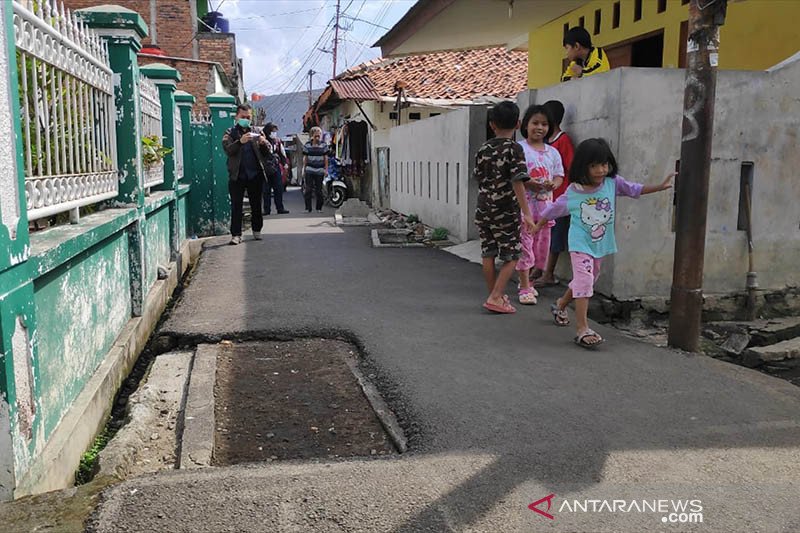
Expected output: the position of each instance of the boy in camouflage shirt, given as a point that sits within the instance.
(501, 172)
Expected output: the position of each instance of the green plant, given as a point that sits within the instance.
(88, 464)
(439, 234)
(153, 151)
(412, 218)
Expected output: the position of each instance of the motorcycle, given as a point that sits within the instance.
(335, 191)
(334, 187)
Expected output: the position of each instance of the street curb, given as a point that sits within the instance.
(385, 415)
(144, 406)
(197, 441)
(351, 221)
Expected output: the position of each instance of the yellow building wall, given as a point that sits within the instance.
(757, 34)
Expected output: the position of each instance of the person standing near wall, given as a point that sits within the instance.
(584, 59)
(247, 158)
(274, 185)
(560, 231)
(315, 161)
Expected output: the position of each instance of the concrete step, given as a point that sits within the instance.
(788, 349)
(775, 330)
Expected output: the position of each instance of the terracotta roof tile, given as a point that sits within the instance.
(462, 74)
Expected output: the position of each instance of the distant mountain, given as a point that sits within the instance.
(286, 110)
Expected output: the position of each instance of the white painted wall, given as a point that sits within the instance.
(757, 119)
(430, 166)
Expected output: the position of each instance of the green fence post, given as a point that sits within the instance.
(185, 101)
(124, 30)
(223, 109)
(201, 199)
(20, 420)
(166, 79)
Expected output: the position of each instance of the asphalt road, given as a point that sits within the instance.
(500, 411)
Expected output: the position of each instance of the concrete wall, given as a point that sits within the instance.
(379, 115)
(65, 305)
(156, 243)
(431, 165)
(757, 120)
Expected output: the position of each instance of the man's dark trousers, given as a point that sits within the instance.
(313, 186)
(275, 183)
(237, 189)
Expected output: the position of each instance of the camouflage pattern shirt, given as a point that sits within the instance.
(498, 163)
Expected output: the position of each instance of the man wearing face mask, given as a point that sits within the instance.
(274, 184)
(248, 155)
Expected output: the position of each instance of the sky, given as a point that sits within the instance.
(280, 40)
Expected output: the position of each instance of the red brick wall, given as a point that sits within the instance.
(197, 79)
(174, 26)
(220, 48)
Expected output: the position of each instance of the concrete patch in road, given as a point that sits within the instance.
(393, 238)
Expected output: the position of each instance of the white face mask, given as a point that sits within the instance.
(273, 135)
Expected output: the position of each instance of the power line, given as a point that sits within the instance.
(273, 15)
(281, 28)
(367, 22)
(367, 42)
(299, 40)
(311, 51)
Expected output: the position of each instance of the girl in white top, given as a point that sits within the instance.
(547, 173)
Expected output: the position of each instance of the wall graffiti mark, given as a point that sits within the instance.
(695, 94)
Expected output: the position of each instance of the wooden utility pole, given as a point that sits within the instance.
(336, 38)
(702, 54)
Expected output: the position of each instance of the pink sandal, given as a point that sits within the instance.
(505, 309)
(527, 297)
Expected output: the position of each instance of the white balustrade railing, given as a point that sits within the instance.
(178, 144)
(150, 107)
(66, 99)
(200, 118)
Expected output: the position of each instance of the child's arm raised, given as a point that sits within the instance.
(663, 186)
(635, 190)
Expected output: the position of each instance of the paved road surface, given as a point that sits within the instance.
(501, 411)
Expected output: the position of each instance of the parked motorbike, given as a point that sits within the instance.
(334, 187)
(335, 191)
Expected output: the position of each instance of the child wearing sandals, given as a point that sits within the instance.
(500, 171)
(590, 201)
(547, 173)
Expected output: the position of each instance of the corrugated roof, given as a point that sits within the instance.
(358, 88)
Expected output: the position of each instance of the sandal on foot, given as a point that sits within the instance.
(580, 340)
(506, 308)
(527, 297)
(560, 316)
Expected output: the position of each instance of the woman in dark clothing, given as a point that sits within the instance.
(274, 185)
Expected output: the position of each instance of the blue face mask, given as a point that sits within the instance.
(243, 122)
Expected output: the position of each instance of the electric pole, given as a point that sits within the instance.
(702, 55)
(336, 38)
(310, 84)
